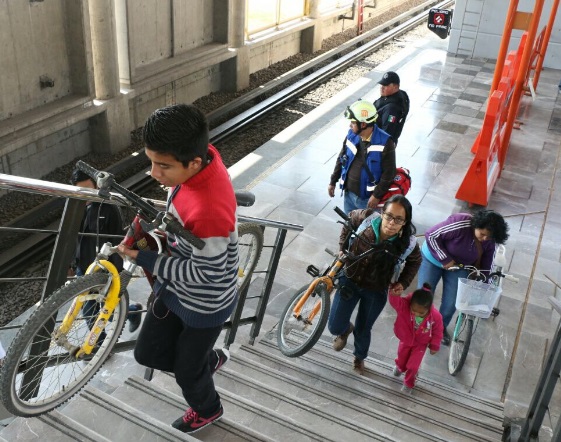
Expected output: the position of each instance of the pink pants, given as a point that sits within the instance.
(408, 361)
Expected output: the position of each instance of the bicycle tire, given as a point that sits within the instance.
(459, 344)
(62, 376)
(250, 245)
(294, 336)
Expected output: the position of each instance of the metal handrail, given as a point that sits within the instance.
(76, 198)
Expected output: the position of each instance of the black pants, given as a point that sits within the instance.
(168, 344)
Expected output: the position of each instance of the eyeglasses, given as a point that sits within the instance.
(397, 220)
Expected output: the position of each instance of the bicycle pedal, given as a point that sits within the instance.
(312, 270)
(495, 312)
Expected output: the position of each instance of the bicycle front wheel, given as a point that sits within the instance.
(459, 344)
(250, 245)
(298, 334)
(39, 373)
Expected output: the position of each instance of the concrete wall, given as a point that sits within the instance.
(78, 75)
(41, 40)
(477, 27)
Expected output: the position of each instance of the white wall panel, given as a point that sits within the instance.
(482, 22)
(34, 44)
(149, 31)
(193, 24)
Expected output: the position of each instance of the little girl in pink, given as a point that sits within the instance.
(418, 325)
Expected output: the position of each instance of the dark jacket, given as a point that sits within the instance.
(392, 111)
(103, 219)
(401, 268)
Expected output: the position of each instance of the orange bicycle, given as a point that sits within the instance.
(305, 316)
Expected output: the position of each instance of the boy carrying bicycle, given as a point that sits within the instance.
(195, 289)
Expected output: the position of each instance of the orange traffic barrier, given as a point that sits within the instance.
(485, 168)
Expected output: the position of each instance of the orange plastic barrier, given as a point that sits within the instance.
(485, 168)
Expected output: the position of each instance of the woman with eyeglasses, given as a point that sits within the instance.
(461, 239)
(392, 265)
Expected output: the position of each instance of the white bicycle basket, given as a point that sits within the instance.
(476, 298)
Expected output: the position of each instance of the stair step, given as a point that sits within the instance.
(395, 413)
(53, 426)
(166, 406)
(322, 355)
(276, 425)
(118, 421)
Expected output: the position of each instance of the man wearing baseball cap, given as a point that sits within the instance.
(393, 105)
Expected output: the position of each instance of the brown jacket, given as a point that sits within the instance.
(365, 273)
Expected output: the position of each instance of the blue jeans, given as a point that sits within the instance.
(432, 274)
(352, 201)
(371, 305)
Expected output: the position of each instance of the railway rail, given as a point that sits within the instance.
(315, 72)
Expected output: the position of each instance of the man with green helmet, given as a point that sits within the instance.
(365, 167)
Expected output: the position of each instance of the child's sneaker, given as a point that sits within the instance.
(222, 357)
(406, 389)
(397, 372)
(191, 421)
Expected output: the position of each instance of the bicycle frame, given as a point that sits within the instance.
(328, 280)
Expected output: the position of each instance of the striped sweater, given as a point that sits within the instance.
(199, 286)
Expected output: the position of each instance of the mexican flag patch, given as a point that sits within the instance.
(392, 119)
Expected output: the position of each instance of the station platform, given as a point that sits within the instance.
(290, 174)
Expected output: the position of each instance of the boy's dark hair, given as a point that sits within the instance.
(423, 296)
(180, 130)
(492, 221)
(79, 176)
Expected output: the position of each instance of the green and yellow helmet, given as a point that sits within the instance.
(362, 111)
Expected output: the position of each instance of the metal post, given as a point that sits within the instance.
(268, 285)
(544, 391)
(545, 42)
(501, 57)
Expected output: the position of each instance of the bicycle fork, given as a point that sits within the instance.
(111, 292)
(328, 282)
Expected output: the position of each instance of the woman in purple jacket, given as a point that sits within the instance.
(465, 239)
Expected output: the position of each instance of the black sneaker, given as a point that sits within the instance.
(445, 338)
(133, 317)
(191, 421)
(222, 356)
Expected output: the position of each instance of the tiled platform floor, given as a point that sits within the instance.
(290, 174)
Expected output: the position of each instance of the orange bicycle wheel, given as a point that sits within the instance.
(298, 333)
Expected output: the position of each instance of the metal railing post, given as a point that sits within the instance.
(268, 285)
(544, 391)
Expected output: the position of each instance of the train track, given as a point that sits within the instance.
(315, 72)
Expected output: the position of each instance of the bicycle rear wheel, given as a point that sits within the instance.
(459, 344)
(250, 245)
(297, 335)
(39, 374)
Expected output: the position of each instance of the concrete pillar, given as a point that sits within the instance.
(110, 130)
(312, 37)
(104, 48)
(235, 72)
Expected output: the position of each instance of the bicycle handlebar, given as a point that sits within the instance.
(106, 181)
(473, 269)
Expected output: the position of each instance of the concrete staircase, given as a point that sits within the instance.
(268, 397)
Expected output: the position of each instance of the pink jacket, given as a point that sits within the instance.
(429, 332)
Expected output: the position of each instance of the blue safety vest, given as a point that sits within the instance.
(373, 160)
